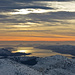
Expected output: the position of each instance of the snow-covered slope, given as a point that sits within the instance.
(4, 52)
(56, 65)
(24, 60)
(9, 67)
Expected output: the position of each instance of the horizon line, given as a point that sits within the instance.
(37, 41)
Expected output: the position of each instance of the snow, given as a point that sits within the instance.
(9, 67)
(59, 72)
(4, 52)
(54, 65)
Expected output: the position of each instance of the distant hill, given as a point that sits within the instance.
(64, 49)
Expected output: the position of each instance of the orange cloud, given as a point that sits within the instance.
(9, 38)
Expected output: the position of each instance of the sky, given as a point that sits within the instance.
(37, 20)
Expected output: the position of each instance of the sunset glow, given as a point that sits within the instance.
(37, 21)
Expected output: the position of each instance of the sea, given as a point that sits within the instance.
(30, 47)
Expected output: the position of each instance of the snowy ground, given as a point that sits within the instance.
(9, 67)
(54, 65)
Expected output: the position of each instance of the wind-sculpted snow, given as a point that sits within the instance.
(4, 52)
(24, 60)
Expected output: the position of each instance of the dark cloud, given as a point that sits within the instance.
(52, 17)
(11, 21)
(63, 15)
(12, 3)
(48, 19)
(6, 5)
(3, 16)
(22, 7)
(40, 0)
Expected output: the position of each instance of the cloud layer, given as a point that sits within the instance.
(40, 18)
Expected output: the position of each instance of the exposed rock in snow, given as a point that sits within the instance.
(24, 60)
(4, 52)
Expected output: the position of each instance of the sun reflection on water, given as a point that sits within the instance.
(38, 52)
(22, 51)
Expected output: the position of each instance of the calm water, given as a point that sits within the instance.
(28, 47)
(38, 52)
(30, 43)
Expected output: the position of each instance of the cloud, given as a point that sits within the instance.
(48, 18)
(54, 6)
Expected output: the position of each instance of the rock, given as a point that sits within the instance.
(24, 60)
(4, 52)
